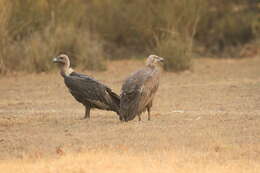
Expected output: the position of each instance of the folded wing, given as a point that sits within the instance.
(89, 91)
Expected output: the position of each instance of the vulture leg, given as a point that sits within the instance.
(121, 118)
(149, 110)
(139, 117)
(87, 112)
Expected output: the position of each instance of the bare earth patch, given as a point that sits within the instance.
(206, 120)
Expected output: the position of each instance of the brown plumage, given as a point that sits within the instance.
(139, 89)
(86, 90)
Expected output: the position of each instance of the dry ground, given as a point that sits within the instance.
(206, 120)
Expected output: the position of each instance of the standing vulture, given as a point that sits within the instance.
(86, 90)
(138, 90)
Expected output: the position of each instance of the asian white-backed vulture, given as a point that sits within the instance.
(86, 90)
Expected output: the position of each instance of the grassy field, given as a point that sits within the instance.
(203, 121)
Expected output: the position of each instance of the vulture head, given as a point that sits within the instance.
(154, 61)
(64, 64)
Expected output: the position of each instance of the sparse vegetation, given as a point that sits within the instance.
(33, 31)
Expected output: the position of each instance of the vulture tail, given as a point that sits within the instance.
(129, 106)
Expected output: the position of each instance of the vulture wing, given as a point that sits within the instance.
(89, 91)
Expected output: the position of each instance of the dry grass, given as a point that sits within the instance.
(129, 162)
(203, 121)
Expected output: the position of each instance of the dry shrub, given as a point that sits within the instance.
(146, 26)
(32, 30)
(176, 52)
(227, 26)
(35, 53)
(175, 43)
(39, 30)
(256, 26)
(29, 16)
(4, 35)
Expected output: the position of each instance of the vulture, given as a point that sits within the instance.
(86, 90)
(139, 89)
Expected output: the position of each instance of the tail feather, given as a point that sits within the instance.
(129, 106)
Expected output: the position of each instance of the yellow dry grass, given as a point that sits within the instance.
(204, 121)
(107, 161)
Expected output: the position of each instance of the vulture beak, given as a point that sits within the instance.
(161, 59)
(56, 60)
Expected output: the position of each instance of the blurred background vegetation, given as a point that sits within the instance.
(94, 32)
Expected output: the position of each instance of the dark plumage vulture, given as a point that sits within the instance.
(86, 90)
(139, 89)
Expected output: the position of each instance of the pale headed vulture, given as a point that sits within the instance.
(139, 89)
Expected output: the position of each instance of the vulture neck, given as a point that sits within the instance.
(66, 70)
(155, 67)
